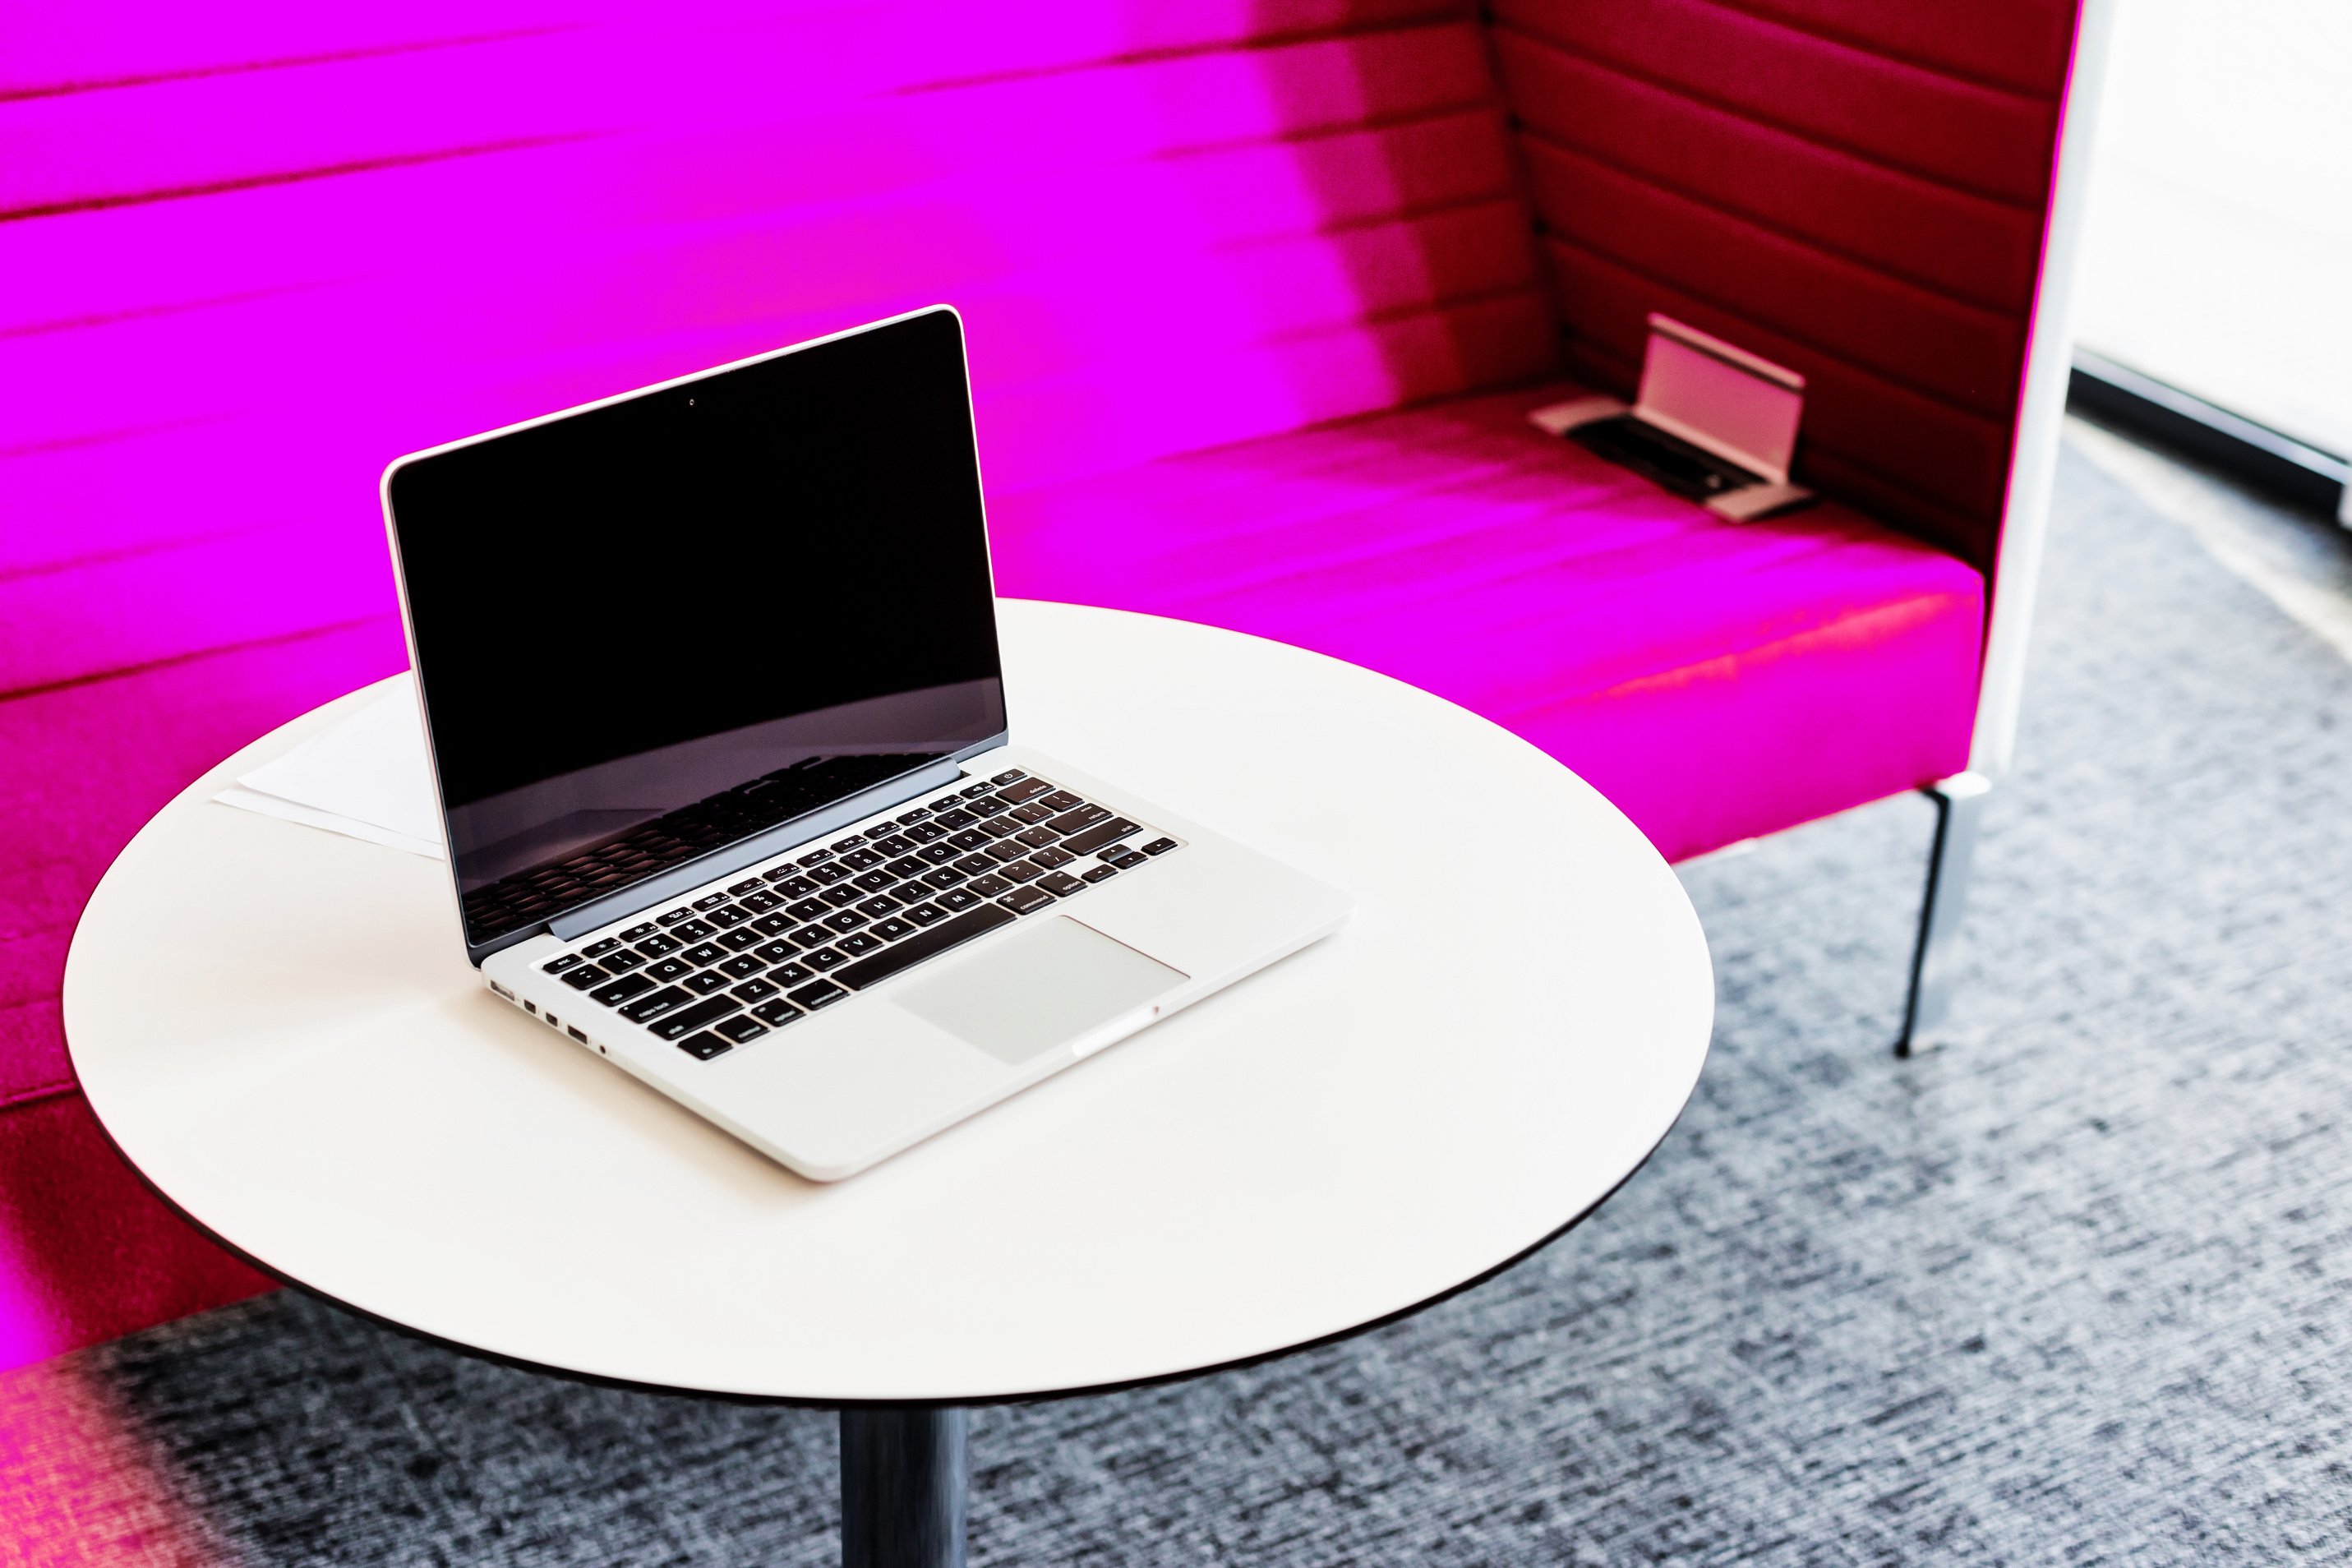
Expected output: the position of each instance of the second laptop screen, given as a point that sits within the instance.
(649, 629)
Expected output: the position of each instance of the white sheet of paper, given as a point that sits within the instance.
(364, 775)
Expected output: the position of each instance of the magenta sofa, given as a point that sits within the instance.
(1258, 295)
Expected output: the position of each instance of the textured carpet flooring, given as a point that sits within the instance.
(2077, 1290)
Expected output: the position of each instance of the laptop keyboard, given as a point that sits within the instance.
(722, 969)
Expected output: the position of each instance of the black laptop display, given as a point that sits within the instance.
(655, 629)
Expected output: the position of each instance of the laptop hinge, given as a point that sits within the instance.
(644, 895)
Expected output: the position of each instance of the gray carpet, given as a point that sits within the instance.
(2077, 1290)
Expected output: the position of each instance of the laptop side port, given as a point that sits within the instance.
(530, 1007)
(502, 991)
(575, 1034)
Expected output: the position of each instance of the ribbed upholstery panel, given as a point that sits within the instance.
(1858, 192)
(248, 267)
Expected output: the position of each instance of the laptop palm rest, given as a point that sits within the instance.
(1052, 985)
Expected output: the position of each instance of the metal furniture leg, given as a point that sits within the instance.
(904, 1474)
(1959, 802)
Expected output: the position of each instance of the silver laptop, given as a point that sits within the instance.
(710, 680)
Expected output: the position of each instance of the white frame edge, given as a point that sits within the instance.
(2033, 462)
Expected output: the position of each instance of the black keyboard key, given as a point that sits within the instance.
(812, 936)
(809, 909)
(758, 990)
(672, 917)
(1062, 800)
(1026, 900)
(1160, 847)
(987, 806)
(558, 965)
(599, 948)
(892, 928)
(862, 861)
(988, 886)
(760, 902)
(970, 839)
(1001, 827)
(774, 1013)
(784, 873)
(704, 1047)
(639, 933)
(738, 940)
(813, 858)
(878, 908)
(925, 832)
(1094, 837)
(1052, 860)
(926, 914)
(703, 952)
(943, 876)
(645, 1009)
(909, 818)
(797, 887)
(624, 961)
(873, 882)
(1100, 874)
(905, 865)
(858, 942)
(662, 970)
(742, 966)
(954, 819)
(824, 993)
(944, 803)
(842, 845)
(1061, 884)
(825, 876)
(938, 854)
(621, 990)
(739, 889)
(703, 982)
(975, 865)
(842, 897)
(776, 924)
(842, 919)
(741, 1030)
(774, 951)
(823, 958)
(694, 931)
(897, 843)
(1008, 776)
(979, 921)
(1031, 814)
(658, 945)
(710, 1010)
(1010, 849)
(1077, 818)
(1123, 858)
(731, 916)
(1022, 870)
(956, 899)
(1025, 791)
(789, 974)
(713, 901)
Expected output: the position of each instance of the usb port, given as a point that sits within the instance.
(502, 991)
(531, 1007)
(575, 1034)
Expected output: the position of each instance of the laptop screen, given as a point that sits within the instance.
(649, 630)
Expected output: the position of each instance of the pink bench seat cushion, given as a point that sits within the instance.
(1715, 680)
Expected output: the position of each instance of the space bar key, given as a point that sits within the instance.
(923, 944)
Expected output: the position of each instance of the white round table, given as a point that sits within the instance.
(278, 1028)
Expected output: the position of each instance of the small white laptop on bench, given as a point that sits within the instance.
(711, 682)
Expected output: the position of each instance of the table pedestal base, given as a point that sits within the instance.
(903, 1478)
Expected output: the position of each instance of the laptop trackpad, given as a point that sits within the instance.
(1046, 987)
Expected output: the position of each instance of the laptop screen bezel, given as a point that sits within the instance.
(760, 844)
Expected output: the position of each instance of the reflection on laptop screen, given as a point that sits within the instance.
(652, 629)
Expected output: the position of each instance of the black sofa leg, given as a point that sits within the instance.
(1959, 805)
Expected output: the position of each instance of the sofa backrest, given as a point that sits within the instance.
(1858, 190)
(252, 255)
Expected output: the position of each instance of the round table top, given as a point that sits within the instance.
(277, 1025)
